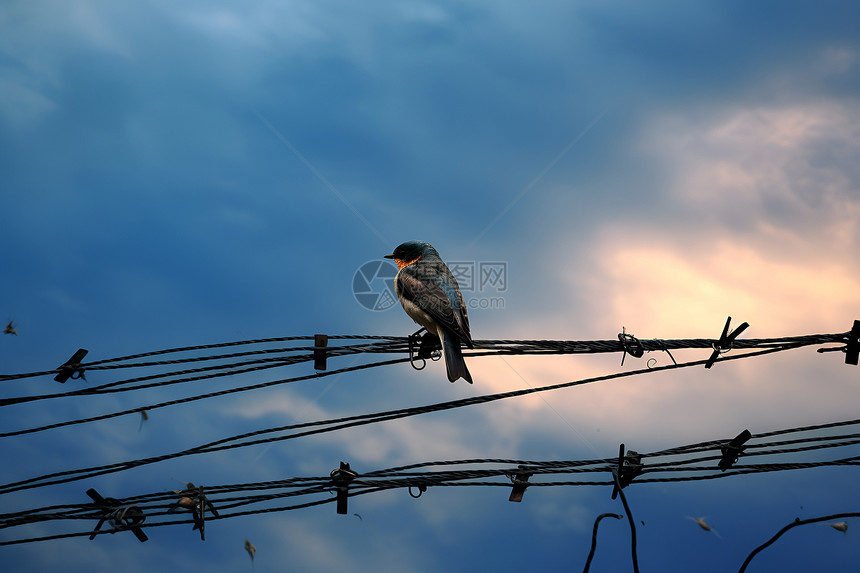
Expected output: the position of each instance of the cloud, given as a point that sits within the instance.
(663, 287)
(319, 543)
(398, 441)
(156, 205)
(778, 168)
(760, 221)
(757, 219)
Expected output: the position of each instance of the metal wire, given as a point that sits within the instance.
(246, 499)
(384, 345)
(656, 469)
(795, 523)
(330, 425)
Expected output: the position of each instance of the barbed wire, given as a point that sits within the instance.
(90, 365)
(399, 345)
(194, 398)
(330, 425)
(233, 500)
(696, 463)
(390, 345)
(214, 371)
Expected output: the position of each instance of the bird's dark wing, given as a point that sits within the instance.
(462, 317)
(432, 287)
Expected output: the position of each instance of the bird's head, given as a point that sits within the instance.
(411, 251)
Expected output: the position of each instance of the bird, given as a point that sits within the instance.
(430, 295)
(251, 549)
(704, 525)
(143, 418)
(10, 329)
(839, 526)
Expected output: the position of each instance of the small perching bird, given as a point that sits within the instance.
(10, 329)
(431, 296)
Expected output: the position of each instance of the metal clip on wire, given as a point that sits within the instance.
(340, 478)
(121, 517)
(320, 344)
(852, 345)
(194, 499)
(731, 451)
(629, 466)
(852, 348)
(521, 482)
(72, 368)
(724, 344)
(630, 344)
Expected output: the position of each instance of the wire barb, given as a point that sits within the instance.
(72, 367)
(691, 462)
(724, 344)
(303, 429)
(732, 450)
(194, 499)
(320, 343)
(852, 347)
(121, 517)
(630, 344)
(628, 467)
(520, 481)
(340, 479)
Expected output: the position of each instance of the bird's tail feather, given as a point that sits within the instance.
(454, 362)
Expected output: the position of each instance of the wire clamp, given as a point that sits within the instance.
(521, 482)
(732, 450)
(72, 368)
(320, 344)
(120, 517)
(724, 344)
(630, 344)
(413, 340)
(628, 467)
(195, 500)
(340, 479)
(852, 348)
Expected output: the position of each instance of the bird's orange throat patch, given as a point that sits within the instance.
(401, 263)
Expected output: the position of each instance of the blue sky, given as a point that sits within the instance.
(191, 173)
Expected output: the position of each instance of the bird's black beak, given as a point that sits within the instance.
(391, 256)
